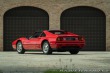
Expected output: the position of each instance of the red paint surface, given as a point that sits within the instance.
(36, 43)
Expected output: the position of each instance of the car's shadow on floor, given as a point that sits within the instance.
(54, 54)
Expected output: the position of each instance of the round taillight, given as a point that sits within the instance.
(59, 39)
(80, 38)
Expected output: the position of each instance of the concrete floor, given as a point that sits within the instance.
(36, 61)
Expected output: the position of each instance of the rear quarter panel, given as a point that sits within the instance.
(51, 38)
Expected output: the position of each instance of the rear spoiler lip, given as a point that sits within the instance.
(68, 36)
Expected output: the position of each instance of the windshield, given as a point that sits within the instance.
(36, 34)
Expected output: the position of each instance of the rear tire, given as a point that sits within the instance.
(46, 48)
(74, 51)
(20, 48)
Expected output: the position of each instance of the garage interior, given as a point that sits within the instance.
(88, 22)
(21, 22)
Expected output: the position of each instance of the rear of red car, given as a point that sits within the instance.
(65, 42)
(73, 41)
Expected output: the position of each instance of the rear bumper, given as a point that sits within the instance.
(62, 45)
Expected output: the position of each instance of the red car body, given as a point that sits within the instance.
(56, 41)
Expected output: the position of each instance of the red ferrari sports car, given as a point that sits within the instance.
(49, 41)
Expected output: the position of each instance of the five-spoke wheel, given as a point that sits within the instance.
(46, 48)
(20, 48)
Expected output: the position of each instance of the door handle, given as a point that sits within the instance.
(39, 38)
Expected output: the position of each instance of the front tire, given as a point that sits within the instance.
(46, 48)
(74, 51)
(20, 48)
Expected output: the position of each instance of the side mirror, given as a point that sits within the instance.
(28, 37)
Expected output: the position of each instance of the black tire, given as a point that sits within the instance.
(74, 51)
(46, 48)
(20, 48)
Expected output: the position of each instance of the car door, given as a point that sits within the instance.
(39, 40)
(32, 43)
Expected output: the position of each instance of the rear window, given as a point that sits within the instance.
(57, 32)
